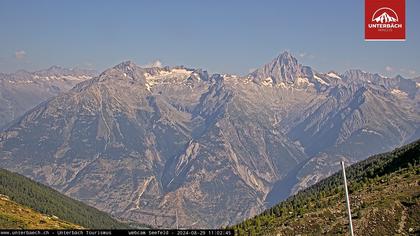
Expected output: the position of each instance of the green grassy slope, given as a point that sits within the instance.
(16, 216)
(47, 201)
(384, 196)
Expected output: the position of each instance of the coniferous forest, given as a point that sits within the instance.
(384, 195)
(50, 202)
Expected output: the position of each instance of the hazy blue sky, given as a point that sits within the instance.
(220, 36)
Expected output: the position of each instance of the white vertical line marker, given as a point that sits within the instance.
(347, 198)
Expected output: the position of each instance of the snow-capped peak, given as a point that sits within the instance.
(333, 75)
(320, 80)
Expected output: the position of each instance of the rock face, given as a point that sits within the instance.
(23, 90)
(146, 144)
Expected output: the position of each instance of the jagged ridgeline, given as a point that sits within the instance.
(149, 144)
(385, 200)
(50, 202)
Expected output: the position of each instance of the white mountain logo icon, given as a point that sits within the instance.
(385, 15)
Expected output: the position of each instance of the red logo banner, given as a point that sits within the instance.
(384, 20)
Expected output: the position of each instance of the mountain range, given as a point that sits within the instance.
(147, 144)
(22, 90)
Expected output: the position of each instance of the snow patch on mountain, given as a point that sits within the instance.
(371, 131)
(333, 75)
(320, 80)
(398, 92)
(267, 82)
(301, 81)
(172, 76)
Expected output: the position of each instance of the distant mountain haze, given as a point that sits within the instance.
(22, 90)
(145, 143)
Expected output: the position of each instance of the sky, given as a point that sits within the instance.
(219, 36)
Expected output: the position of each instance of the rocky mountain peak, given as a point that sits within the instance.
(126, 65)
(355, 74)
(125, 69)
(55, 68)
(148, 77)
(145, 144)
(61, 71)
(284, 68)
(20, 74)
(399, 77)
(285, 59)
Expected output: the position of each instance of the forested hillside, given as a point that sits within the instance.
(50, 202)
(384, 196)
